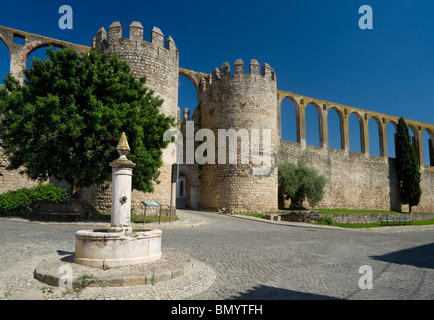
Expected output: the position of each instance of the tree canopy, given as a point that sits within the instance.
(298, 183)
(407, 167)
(67, 117)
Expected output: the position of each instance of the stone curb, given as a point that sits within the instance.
(170, 266)
(182, 223)
(286, 223)
(396, 229)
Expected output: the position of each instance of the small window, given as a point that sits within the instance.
(19, 39)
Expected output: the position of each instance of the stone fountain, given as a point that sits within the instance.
(119, 255)
(120, 245)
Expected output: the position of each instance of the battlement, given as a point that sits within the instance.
(255, 72)
(102, 39)
(254, 69)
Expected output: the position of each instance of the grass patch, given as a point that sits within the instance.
(378, 224)
(150, 218)
(354, 225)
(330, 211)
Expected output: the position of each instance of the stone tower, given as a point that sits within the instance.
(158, 60)
(244, 103)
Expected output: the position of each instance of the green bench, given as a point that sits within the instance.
(394, 220)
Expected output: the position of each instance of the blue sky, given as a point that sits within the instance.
(316, 48)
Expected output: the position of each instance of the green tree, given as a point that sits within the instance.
(298, 183)
(407, 167)
(67, 117)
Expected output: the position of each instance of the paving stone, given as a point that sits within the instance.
(236, 258)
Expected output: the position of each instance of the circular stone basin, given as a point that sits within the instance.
(101, 248)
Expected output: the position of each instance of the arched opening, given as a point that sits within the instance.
(334, 120)
(374, 127)
(288, 120)
(38, 53)
(356, 133)
(313, 124)
(187, 96)
(414, 139)
(5, 60)
(188, 187)
(391, 133)
(428, 148)
(183, 191)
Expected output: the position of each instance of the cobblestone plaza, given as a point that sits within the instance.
(240, 259)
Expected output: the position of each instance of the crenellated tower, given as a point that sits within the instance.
(158, 60)
(246, 104)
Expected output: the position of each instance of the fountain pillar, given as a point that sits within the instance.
(122, 173)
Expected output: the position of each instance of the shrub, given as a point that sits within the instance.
(14, 202)
(327, 220)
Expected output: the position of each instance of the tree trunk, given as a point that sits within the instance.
(74, 191)
(296, 204)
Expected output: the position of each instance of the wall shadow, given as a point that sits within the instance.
(262, 292)
(421, 257)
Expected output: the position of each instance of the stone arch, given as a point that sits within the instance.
(394, 122)
(428, 147)
(30, 48)
(20, 53)
(293, 102)
(413, 128)
(341, 133)
(28, 51)
(391, 128)
(184, 93)
(6, 58)
(362, 137)
(320, 122)
(5, 42)
(380, 145)
(192, 77)
(192, 185)
(416, 141)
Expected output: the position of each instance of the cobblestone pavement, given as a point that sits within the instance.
(241, 259)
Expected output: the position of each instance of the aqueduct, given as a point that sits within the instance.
(357, 179)
(19, 53)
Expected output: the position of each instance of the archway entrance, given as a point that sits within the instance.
(180, 193)
(188, 187)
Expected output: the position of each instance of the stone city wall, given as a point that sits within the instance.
(12, 179)
(357, 182)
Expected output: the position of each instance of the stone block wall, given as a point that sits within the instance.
(12, 179)
(357, 182)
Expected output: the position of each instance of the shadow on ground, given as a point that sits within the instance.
(272, 293)
(421, 257)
